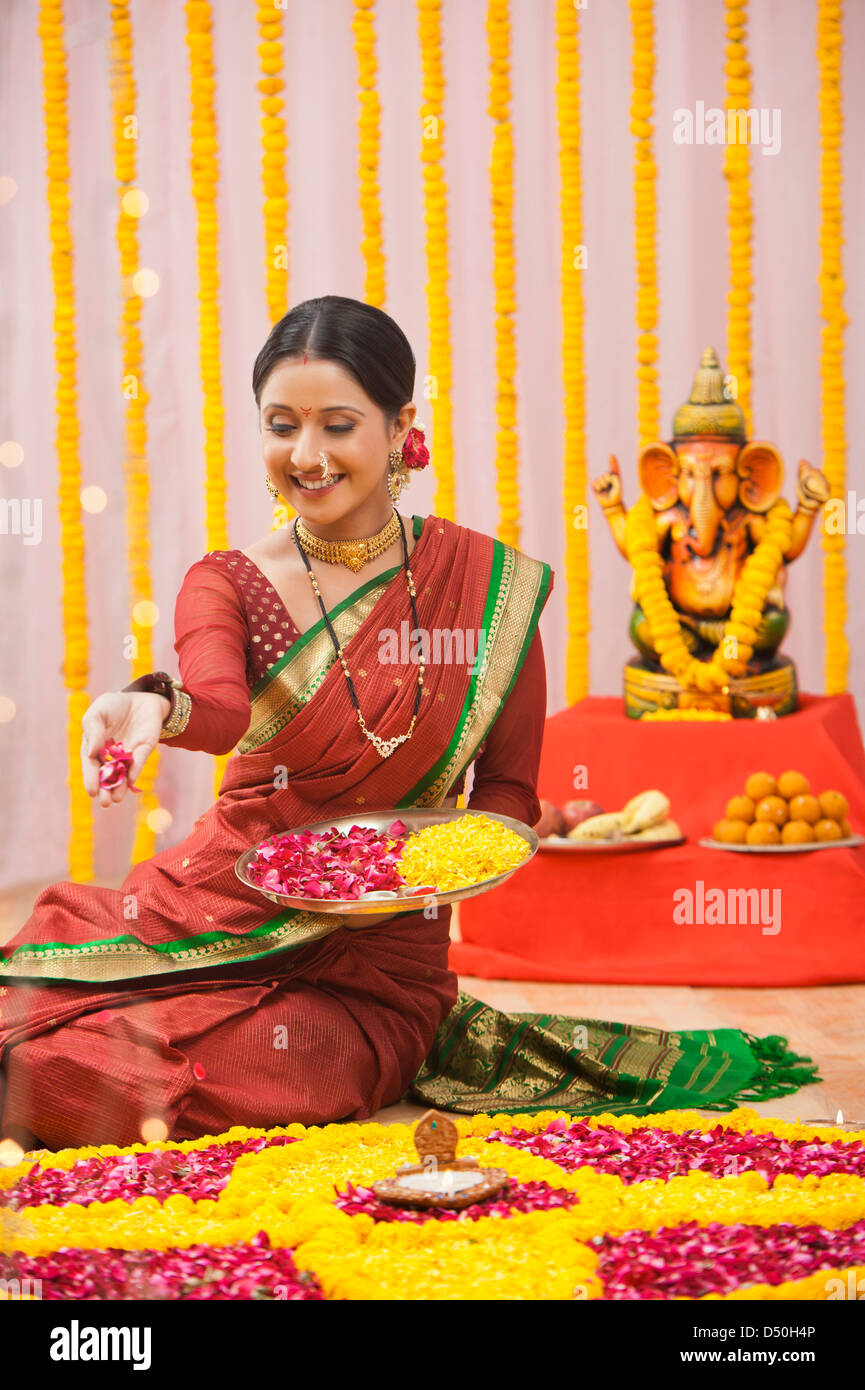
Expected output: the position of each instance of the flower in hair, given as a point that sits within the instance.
(414, 450)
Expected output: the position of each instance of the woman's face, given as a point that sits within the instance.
(307, 407)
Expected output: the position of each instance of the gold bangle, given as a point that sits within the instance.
(178, 717)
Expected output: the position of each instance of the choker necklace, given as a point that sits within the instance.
(353, 553)
(383, 746)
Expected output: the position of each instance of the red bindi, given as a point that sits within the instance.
(306, 409)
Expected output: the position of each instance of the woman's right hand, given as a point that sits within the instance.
(131, 717)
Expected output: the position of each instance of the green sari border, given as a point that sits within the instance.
(178, 954)
(438, 766)
(501, 574)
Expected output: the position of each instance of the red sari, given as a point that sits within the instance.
(173, 996)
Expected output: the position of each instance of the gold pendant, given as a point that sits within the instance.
(353, 555)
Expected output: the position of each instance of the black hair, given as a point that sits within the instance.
(361, 338)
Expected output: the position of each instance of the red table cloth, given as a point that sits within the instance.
(618, 918)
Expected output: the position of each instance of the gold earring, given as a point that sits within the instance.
(397, 474)
(274, 492)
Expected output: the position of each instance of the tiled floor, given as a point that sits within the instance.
(826, 1023)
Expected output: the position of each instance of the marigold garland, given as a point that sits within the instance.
(284, 1196)
(758, 575)
(739, 205)
(645, 218)
(74, 590)
(504, 278)
(274, 142)
(204, 165)
(369, 122)
(436, 247)
(829, 49)
(123, 109)
(574, 482)
(686, 716)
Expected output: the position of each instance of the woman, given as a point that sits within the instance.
(180, 997)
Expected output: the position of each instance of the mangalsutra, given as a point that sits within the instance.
(383, 746)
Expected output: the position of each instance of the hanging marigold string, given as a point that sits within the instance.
(829, 47)
(439, 381)
(205, 178)
(130, 205)
(645, 218)
(573, 358)
(737, 172)
(504, 279)
(369, 121)
(274, 143)
(74, 593)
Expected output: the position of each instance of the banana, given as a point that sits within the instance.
(666, 830)
(639, 819)
(644, 810)
(605, 827)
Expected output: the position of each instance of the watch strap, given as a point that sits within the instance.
(161, 683)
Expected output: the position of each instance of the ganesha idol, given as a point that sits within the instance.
(709, 540)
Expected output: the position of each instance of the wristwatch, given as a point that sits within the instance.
(161, 683)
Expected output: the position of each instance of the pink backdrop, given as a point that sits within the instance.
(325, 236)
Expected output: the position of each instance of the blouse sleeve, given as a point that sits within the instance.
(506, 772)
(211, 641)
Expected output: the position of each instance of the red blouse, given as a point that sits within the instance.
(231, 626)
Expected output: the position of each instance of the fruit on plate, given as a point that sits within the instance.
(609, 826)
(646, 811)
(828, 829)
(760, 784)
(787, 805)
(805, 807)
(798, 832)
(834, 805)
(731, 832)
(665, 830)
(763, 832)
(575, 812)
(552, 821)
(772, 808)
(792, 784)
(740, 808)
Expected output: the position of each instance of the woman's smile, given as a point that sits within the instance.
(318, 485)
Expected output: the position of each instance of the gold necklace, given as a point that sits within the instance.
(353, 553)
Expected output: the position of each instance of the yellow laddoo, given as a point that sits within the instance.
(827, 829)
(740, 808)
(763, 832)
(846, 831)
(760, 784)
(792, 784)
(805, 808)
(798, 832)
(731, 832)
(833, 805)
(772, 808)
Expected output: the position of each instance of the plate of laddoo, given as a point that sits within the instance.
(783, 815)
